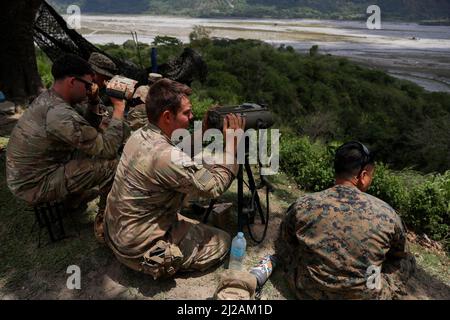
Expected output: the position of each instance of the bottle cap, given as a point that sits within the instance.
(240, 234)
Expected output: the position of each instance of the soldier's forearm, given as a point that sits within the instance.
(119, 108)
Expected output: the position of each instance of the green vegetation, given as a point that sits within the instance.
(44, 68)
(423, 201)
(320, 101)
(331, 99)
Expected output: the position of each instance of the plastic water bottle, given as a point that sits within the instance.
(237, 253)
(264, 269)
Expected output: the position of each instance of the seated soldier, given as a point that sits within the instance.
(343, 243)
(143, 225)
(40, 161)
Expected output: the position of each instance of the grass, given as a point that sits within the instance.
(21, 259)
(437, 265)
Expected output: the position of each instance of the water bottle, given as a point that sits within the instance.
(264, 269)
(237, 253)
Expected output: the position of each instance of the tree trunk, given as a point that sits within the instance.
(19, 77)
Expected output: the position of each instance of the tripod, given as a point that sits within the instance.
(247, 210)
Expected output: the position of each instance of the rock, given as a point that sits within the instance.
(7, 107)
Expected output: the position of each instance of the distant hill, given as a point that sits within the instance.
(415, 10)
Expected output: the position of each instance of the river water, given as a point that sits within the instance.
(405, 50)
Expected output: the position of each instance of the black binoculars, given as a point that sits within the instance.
(256, 116)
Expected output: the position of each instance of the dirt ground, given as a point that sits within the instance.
(29, 272)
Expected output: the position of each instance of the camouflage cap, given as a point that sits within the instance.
(102, 64)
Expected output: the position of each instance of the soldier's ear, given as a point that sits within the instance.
(166, 116)
(70, 81)
(365, 179)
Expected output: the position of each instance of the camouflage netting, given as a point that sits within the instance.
(54, 37)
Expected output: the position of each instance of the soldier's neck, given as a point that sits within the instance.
(61, 91)
(346, 182)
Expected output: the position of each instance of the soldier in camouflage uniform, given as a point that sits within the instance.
(54, 153)
(343, 243)
(143, 225)
(104, 69)
(137, 116)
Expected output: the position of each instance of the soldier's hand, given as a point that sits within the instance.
(205, 125)
(119, 107)
(234, 122)
(92, 94)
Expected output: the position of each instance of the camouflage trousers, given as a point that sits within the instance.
(188, 246)
(394, 278)
(76, 181)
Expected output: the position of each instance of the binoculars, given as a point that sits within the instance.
(121, 87)
(256, 116)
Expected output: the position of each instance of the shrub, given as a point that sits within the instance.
(424, 205)
(429, 207)
(310, 164)
(44, 68)
(387, 186)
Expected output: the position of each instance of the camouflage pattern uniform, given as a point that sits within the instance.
(142, 219)
(328, 240)
(53, 152)
(103, 65)
(137, 116)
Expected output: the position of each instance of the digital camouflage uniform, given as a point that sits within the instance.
(328, 240)
(142, 220)
(54, 153)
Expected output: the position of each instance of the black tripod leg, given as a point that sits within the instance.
(252, 185)
(241, 217)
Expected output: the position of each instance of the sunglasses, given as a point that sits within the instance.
(87, 84)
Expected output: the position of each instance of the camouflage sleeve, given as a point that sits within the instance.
(398, 249)
(175, 170)
(86, 110)
(66, 124)
(398, 259)
(287, 241)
